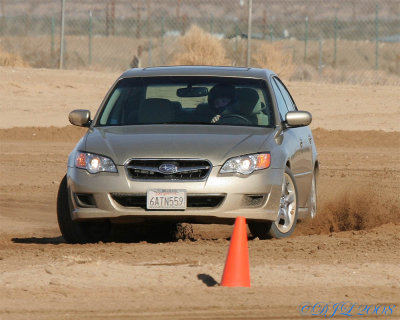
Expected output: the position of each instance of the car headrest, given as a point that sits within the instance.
(247, 99)
(156, 110)
(177, 106)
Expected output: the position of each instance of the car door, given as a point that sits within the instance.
(300, 144)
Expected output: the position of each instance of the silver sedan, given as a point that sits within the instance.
(190, 144)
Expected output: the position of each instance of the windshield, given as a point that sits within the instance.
(188, 100)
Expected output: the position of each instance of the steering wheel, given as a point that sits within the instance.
(225, 119)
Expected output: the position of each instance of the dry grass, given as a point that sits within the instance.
(272, 56)
(198, 47)
(355, 63)
(11, 60)
(236, 51)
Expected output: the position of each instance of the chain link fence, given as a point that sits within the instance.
(339, 40)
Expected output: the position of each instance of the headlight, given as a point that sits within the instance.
(94, 163)
(247, 164)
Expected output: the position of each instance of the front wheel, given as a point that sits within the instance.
(286, 221)
(77, 231)
(313, 199)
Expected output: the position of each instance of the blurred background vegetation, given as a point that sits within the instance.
(352, 41)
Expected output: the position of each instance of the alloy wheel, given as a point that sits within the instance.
(287, 207)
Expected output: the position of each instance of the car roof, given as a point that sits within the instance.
(219, 71)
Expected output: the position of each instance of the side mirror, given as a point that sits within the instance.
(298, 118)
(80, 118)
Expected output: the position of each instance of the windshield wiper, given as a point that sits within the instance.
(178, 122)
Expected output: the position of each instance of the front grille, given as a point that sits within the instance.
(204, 201)
(159, 169)
(193, 201)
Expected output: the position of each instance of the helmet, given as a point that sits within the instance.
(221, 91)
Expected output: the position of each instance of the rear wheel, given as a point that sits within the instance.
(286, 221)
(77, 231)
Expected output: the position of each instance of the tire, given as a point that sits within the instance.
(313, 198)
(77, 231)
(287, 213)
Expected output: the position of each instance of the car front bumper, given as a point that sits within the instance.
(236, 192)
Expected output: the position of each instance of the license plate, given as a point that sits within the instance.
(158, 199)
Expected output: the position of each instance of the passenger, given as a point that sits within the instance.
(220, 98)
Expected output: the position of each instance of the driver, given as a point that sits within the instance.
(220, 98)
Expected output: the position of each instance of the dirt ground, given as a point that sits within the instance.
(350, 252)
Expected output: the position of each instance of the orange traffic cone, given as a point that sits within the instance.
(237, 267)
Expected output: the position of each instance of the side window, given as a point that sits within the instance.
(280, 100)
(288, 99)
(110, 112)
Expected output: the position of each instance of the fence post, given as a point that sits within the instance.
(107, 19)
(162, 40)
(236, 38)
(150, 56)
(335, 42)
(53, 27)
(90, 39)
(2, 19)
(184, 23)
(271, 32)
(377, 37)
(320, 66)
(138, 21)
(113, 17)
(61, 63)
(249, 23)
(264, 24)
(305, 39)
(150, 53)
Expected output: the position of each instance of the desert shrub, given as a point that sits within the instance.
(198, 47)
(272, 55)
(11, 60)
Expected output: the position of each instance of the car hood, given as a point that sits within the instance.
(212, 142)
